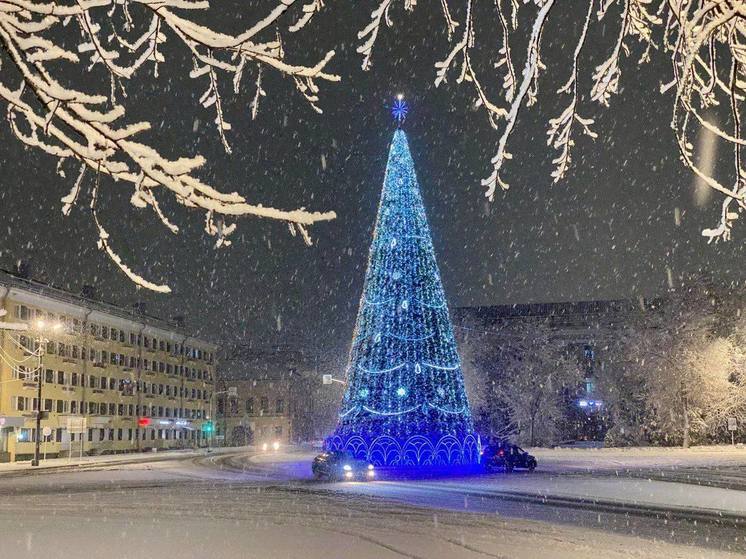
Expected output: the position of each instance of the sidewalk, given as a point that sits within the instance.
(638, 493)
(91, 462)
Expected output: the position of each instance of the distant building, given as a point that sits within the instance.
(258, 413)
(270, 379)
(587, 328)
(128, 381)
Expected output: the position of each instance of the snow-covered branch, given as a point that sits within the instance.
(76, 122)
(705, 39)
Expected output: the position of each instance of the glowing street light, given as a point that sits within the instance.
(42, 326)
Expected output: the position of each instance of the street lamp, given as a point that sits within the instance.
(41, 340)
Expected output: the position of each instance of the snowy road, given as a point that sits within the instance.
(243, 505)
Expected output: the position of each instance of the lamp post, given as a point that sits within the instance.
(41, 342)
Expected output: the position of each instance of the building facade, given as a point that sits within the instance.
(254, 411)
(112, 380)
(288, 374)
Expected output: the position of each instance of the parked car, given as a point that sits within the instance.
(340, 465)
(507, 457)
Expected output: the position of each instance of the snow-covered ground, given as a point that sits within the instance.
(74, 462)
(243, 505)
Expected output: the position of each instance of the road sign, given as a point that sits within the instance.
(732, 424)
(76, 424)
(326, 379)
(47, 431)
(233, 391)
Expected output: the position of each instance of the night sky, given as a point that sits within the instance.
(606, 231)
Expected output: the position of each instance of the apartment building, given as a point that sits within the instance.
(113, 380)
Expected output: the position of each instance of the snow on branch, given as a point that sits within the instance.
(704, 39)
(123, 37)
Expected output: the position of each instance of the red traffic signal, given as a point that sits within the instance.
(143, 421)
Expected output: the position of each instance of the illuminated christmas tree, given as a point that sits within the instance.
(405, 402)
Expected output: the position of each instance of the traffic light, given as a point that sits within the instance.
(207, 427)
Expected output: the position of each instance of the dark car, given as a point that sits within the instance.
(508, 457)
(341, 465)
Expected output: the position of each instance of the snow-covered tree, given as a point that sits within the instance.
(49, 51)
(680, 375)
(534, 382)
(705, 41)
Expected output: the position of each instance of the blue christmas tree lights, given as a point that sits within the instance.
(405, 402)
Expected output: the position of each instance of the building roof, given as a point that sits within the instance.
(547, 310)
(13, 281)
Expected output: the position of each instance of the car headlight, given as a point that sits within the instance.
(370, 466)
(276, 445)
(347, 468)
(264, 446)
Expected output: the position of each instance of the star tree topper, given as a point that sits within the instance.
(399, 110)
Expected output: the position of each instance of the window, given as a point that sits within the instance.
(60, 406)
(264, 404)
(20, 403)
(60, 377)
(49, 376)
(280, 406)
(47, 404)
(22, 312)
(74, 407)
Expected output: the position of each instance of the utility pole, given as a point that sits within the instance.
(39, 381)
(41, 343)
